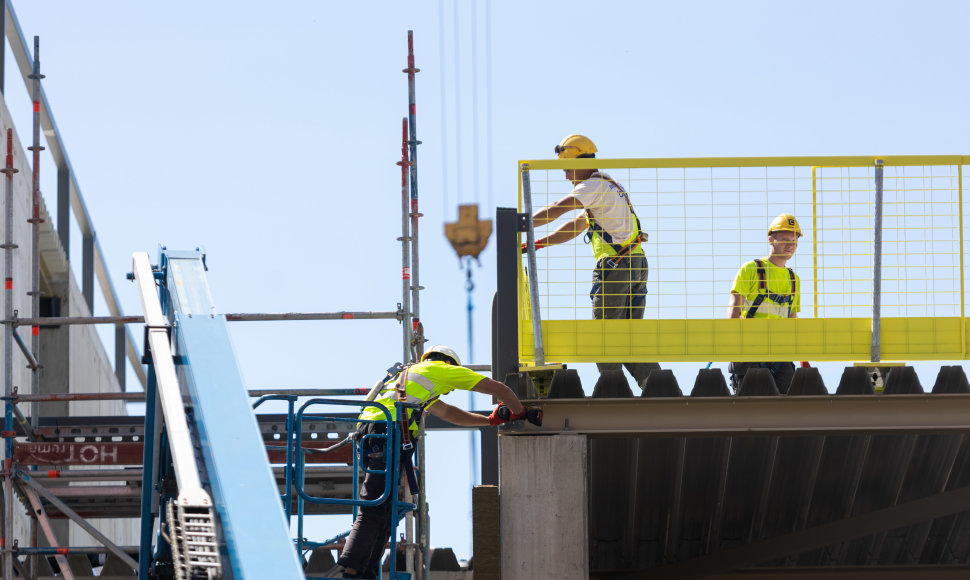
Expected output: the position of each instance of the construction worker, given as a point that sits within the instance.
(767, 288)
(438, 373)
(613, 230)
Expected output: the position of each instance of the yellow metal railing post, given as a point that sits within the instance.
(814, 247)
(963, 315)
(533, 268)
(875, 353)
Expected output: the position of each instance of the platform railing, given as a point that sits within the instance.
(892, 288)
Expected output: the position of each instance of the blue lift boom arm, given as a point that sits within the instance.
(237, 473)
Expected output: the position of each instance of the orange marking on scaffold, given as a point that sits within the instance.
(8, 284)
(53, 473)
(347, 316)
(36, 106)
(35, 330)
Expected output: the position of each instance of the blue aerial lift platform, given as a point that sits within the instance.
(226, 519)
(210, 502)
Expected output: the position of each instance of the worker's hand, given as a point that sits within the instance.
(534, 416)
(501, 414)
(525, 246)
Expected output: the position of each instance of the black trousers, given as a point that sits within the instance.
(372, 529)
(782, 372)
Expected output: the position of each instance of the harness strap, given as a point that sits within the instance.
(402, 396)
(594, 228)
(763, 292)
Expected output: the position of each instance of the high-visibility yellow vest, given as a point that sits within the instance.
(768, 291)
(604, 246)
(425, 382)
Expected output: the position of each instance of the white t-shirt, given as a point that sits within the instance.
(608, 204)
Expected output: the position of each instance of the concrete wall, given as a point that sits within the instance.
(542, 483)
(73, 357)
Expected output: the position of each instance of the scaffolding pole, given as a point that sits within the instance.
(231, 317)
(35, 221)
(418, 337)
(405, 239)
(8, 332)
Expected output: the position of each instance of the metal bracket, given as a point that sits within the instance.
(522, 222)
(146, 358)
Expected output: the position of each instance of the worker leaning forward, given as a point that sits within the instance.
(613, 229)
(438, 373)
(767, 288)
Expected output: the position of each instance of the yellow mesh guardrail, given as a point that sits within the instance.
(706, 217)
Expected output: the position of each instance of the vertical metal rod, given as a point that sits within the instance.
(150, 475)
(405, 246)
(417, 338)
(415, 214)
(963, 296)
(64, 209)
(814, 245)
(540, 355)
(288, 476)
(3, 42)
(35, 222)
(875, 353)
(120, 344)
(8, 331)
(87, 269)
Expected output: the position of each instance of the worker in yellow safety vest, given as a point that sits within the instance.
(613, 229)
(422, 384)
(767, 288)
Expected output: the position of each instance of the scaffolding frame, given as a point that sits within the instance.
(93, 268)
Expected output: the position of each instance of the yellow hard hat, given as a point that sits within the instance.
(442, 349)
(786, 222)
(575, 146)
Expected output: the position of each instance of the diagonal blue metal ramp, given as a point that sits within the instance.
(227, 448)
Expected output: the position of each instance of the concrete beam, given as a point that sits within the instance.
(544, 507)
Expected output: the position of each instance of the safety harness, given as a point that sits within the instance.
(407, 420)
(622, 250)
(763, 293)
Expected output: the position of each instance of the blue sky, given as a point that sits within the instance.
(268, 135)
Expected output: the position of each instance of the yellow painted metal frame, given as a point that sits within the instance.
(704, 340)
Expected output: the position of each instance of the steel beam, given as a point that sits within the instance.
(904, 514)
(844, 414)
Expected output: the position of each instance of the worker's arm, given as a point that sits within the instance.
(566, 232)
(492, 387)
(456, 416)
(554, 210)
(734, 309)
